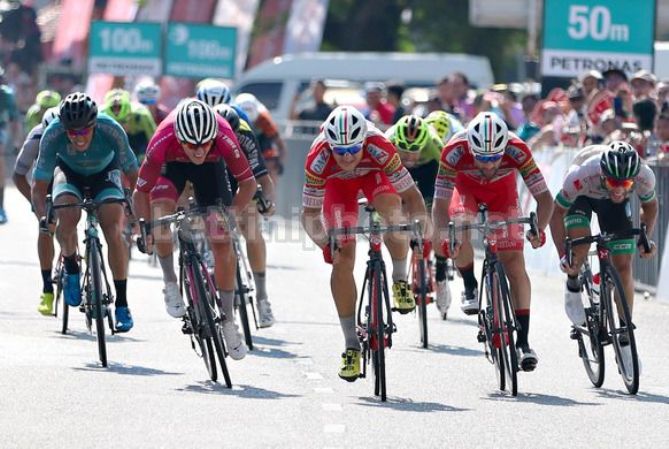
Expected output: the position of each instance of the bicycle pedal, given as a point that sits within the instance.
(574, 334)
(187, 329)
(480, 337)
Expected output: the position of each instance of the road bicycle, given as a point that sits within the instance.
(601, 328)
(203, 321)
(374, 314)
(496, 316)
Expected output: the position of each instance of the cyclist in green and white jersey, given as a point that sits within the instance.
(419, 147)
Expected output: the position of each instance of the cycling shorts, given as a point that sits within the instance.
(100, 186)
(501, 197)
(210, 183)
(612, 218)
(424, 176)
(340, 205)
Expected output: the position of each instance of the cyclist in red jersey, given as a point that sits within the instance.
(348, 156)
(195, 144)
(477, 166)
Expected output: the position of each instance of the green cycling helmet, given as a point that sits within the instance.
(117, 104)
(441, 123)
(47, 99)
(411, 133)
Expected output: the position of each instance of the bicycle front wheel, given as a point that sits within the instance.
(419, 284)
(376, 301)
(207, 304)
(622, 331)
(507, 347)
(96, 299)
(590, 347)
(196, 323)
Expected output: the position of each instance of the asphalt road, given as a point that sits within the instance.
(155, 392)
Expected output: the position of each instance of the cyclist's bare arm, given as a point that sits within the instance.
(267, 185)
(415, 206)
(310, 218)
(38, 195)
(544, 209)
(649, 215)
(440, 219)
(558, 231)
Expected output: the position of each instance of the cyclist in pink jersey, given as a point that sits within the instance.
(195, 144)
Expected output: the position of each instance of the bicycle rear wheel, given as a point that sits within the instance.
(507, 347)
(242, 300)
(622, 333)
(96, 299)
(378, 332)
(419, 284)
(488, 318)
(207, 304)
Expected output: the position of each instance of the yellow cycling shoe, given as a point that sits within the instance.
(46, 305)
(350, 365)
(403, 297)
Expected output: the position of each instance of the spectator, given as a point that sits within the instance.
(529, 128)
(512, 110)
(643, 84)
(8, 114)
(658, 143)
(590, 81)
(644, 112)
(445, 94)
(461, 103)
(576, 126)
(319, 109)
(552, 122)
(395, 92)
(614, 79)
(608, 124)
(378, 109)
(663, 96)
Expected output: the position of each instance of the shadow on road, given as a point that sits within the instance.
(463, 321)
(131, 370)
(447, 349)
(242, 391)
(535, 398)
(74, 334)
(403, 404)
(623, 394)
(273, 351)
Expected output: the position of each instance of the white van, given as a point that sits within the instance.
(276, 82)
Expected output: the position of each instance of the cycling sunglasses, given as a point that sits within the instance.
(342, 150)
(488, 158)
(612, 183)
(83, 132)
(410, 148)
(194, 147)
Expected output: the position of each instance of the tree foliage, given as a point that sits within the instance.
(420, 26)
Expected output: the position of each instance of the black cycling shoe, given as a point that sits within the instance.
(527, 358)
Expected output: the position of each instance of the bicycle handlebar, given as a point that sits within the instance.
(604, 238)
(415, 228)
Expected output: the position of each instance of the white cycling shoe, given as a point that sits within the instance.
(233, 340)
(573, 306)
(174, 303)
(443, 298)
(265, 315)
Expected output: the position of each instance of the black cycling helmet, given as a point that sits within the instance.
(77, 111)
(229, 114)
(620, 161)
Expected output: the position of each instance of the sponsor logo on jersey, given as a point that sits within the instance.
(380, 155)
(454, 155)
(577, 184)
(114, 176)
(320, 161)
(313, 180)
(517, 154)
(394, 164)
(233, 146)
(141, 182)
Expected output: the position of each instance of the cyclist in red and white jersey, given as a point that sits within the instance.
(195, 144)
(479, 165)
(348, 156)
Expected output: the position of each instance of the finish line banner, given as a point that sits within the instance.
(581, 35)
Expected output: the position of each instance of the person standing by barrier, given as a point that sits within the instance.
(8, 114)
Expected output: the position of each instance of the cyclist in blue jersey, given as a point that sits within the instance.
(86, 152)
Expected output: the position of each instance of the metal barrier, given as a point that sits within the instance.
(647, 271)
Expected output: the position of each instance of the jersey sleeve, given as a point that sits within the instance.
(228, 145)
(29, 152)
(445, 182)
(313, 190)
(645, 182)
(154, 159)
(521, 154)
(251, 147)
(48, 150)
(572, 187)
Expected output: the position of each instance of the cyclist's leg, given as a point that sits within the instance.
(340, 209)
(45, 253)
(615, 217)
(462, 209)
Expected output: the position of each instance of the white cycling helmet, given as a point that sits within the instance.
(249, 104)
(345, 126)
(147, 93)
(213, 92)
(49, 115)
(196, 122)
(487, 134)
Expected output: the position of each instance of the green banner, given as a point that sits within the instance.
(199, 51)
(125, 48)
(580, 35)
